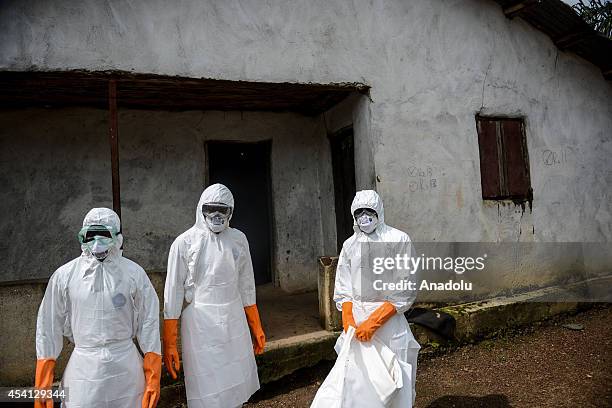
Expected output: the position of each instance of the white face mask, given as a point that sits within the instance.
(101, 247)
(216, 222)
(367, 223)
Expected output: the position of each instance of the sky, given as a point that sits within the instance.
(572, 2)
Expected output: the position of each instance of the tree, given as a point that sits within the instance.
(596, 13)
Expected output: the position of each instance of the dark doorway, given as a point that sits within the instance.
(245, 169)
(343, 164)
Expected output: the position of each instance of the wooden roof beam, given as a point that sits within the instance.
(518, 7)
(572, 38)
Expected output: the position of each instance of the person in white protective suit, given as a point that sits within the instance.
(209, 267)
(101, 301)
(373, 313)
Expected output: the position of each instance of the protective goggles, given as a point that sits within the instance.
(101, 232)
(367, 211)
(212, 208)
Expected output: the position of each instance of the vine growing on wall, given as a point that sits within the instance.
(597, 13)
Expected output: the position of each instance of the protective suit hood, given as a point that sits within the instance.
(368, 199)
(108, 218)
(216, 193)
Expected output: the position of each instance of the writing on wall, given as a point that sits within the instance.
(556, 157)
(421, 179)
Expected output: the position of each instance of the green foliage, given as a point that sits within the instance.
(597, 13)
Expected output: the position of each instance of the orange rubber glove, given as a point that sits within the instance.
(152, 372)
(347, 316)
(257, 333)
(44, 379)
(366, 330)
(172, 360)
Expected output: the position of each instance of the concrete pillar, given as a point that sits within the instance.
(331, 318)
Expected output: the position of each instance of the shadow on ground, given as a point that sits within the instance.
(488, 401)
(301, 378)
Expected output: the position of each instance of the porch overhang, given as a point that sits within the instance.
(168, 93)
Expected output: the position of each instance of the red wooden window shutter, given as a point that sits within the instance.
(489, 160)
(515, 158)
(504, 163)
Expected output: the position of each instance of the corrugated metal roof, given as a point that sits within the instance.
(566, 28)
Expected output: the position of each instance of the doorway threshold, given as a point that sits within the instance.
(285, 315)
(295, 337)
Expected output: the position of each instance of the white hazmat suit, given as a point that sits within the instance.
(213, 273)
(395, 333)
(100, 307)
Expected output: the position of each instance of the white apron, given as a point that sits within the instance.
(218, 358)
(104, 377)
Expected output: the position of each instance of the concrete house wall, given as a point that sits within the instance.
(57, 166)
(432, 66)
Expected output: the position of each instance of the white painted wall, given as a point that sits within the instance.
(432, 66)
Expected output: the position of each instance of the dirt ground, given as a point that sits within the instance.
(545, 365)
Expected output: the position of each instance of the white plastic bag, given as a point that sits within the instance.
(382, 369)
(365, 374)
(330, 393)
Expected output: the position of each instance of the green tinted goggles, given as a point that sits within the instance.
(101, 232)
